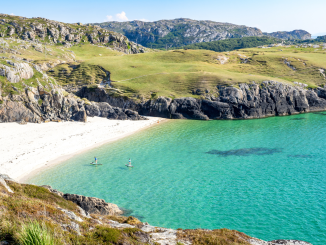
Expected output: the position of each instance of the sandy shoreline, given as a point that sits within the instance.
(26, 150)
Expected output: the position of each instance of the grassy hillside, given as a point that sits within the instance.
(174, 73)
(177, 73)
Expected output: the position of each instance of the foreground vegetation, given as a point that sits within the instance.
(33, 216)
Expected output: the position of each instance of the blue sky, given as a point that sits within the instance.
(269, 16)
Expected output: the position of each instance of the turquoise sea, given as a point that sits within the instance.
(263, 177)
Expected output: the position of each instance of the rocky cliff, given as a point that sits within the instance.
(178, 32)
(290, 35)
(27, 94)
(245, 102)
(53, 32)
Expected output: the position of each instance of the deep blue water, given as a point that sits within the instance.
(264, 177)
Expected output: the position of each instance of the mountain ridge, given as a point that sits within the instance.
(185, 31)
(42, 30)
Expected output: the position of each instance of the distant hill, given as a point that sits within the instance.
(41, 30)
(234, 43)
(180, 32)
(290, 35)
(321, 39)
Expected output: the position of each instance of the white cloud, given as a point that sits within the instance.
(145, 20)
(109, 17)
(118, 17)
(11, 14)
(122, 16)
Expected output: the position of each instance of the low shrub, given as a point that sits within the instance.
(107, 235)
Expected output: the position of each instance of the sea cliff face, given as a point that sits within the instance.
(245, 102)
(248, 101)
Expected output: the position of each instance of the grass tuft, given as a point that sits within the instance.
(34, 233)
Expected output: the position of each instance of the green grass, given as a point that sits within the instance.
(173, 73)
(177, 73)
(34, 233)
(78, 74)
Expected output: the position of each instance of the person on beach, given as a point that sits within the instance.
(95, 160)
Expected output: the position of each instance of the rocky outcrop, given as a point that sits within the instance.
(91, 205)
(290, 35)
(37, 105)
(54, 106)
(103, 109)
(94, 205)
(43, 30)
(185, 31)
(16, 71)
(248, 101)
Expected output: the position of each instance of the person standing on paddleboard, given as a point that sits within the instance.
(95, 160)
(129, 162)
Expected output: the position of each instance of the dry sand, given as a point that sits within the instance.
(25, 149)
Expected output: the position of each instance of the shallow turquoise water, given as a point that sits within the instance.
(264, 177)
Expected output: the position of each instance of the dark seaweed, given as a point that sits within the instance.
(246, 152)
(301, 156)
(299, 118)
(319, 113)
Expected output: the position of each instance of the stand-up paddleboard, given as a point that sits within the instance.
(95, 163)
(129, 166)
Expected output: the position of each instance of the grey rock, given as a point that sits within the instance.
(59, 193)
(72, 227)
(3, 182)
(26, 107)
(94, 205)
(6, 177)
(248, 101)
(71, 215)
(84, 213)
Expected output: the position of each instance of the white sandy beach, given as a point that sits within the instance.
(25, 149)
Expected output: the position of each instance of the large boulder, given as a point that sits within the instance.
(94, 205)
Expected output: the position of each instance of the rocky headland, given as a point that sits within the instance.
(80, 218)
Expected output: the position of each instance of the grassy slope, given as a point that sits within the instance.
(36, 204)
(172, 73)
(176, 73)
